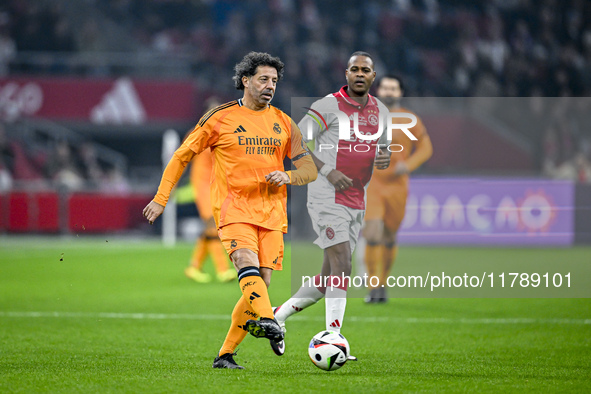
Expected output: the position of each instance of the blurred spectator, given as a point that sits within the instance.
(7, 45)
(62, 168)
(576, 169)
(115, 182)
(492, 47)
(15, 161)
(583, 168)
(5, 179)
(566, 143)
(92, 171)
(489, 40)
(62, 37)
(441, 47)
(72, 169)
(90, 38)
(6, 161)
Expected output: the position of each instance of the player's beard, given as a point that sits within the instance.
(389, 101)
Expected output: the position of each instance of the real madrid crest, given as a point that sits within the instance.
(277, 128)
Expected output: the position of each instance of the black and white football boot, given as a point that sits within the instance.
(278, 346)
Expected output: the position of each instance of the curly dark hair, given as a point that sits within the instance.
(248, 66)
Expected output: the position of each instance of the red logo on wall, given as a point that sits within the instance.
(330, 233)
(101, 101)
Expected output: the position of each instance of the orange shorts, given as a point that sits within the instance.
(386, 203)
(267, 244)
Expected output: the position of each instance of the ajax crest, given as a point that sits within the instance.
(373, 120)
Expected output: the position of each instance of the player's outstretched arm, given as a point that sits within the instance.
(172, 173)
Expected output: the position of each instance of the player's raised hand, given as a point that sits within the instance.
(152, 211)
(277, 178)
(382, 160)
(339, 180)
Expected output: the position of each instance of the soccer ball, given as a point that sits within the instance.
(329, 350)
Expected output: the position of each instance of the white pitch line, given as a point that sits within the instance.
(355, 319)
(107, 315)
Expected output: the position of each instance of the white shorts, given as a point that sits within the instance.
(335, 224)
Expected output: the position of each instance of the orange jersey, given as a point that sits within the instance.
(200, 176)
(387, 175)
(246, 145)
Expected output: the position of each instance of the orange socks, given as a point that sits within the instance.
(373, 254)
(379, 260)
(254, 291)
(242, 312)
(199, 253)
(218, 253)
(389, 256)
(206, 245)
(253, 303)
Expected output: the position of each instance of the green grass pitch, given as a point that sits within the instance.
(120, 316)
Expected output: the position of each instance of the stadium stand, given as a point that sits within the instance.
(442, 48)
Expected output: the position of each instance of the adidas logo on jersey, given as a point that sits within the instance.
(119, 105)
(240, 129)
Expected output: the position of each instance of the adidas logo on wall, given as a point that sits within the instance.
(119, 105)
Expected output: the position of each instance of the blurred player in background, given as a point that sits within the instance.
(249, 139)
(336, 200)
(388, 189)
(208, 242)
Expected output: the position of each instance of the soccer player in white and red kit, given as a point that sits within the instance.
(336, 200)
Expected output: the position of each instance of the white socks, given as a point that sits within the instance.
(336, 301)
(309, 294)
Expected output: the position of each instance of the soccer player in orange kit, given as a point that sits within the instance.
(208, 242)
(249, 139)
(388, 189)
